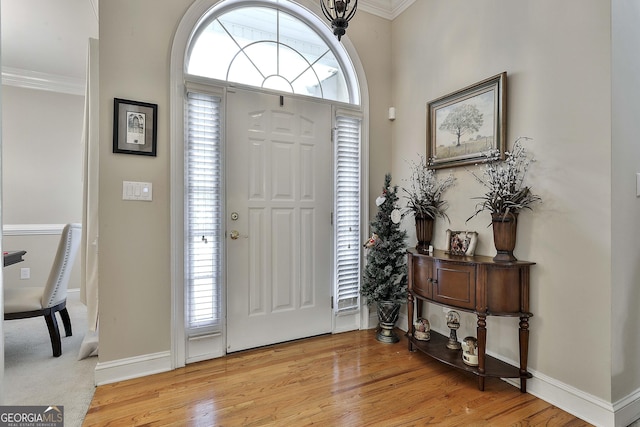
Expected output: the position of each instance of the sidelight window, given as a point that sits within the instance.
(347, 213)
(203, 242)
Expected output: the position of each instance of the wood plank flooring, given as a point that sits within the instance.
(348, 379)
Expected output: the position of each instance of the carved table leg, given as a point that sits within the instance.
(524, 351)
(482, 344)
(410, 317)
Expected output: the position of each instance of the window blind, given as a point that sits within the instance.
(203, 263)
(347, 213)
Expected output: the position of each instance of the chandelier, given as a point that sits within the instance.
(339, 13)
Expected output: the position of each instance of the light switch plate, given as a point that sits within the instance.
(132, 190)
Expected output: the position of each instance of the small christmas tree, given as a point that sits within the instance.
(385, 273)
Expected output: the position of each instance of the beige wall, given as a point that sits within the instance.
(625, 252)
(134, 245)
(42, 175)
(557, 56)
(42, 150)
(371, 37)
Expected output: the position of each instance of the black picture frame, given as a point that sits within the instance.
(135, 129)
(487, 101)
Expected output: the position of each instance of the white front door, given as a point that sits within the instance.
(279, 199)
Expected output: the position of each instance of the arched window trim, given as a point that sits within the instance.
(296, 10)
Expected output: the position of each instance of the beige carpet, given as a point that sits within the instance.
(32, 376)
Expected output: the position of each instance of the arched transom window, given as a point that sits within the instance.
(269, 48)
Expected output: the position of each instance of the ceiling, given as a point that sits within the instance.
(47, 40)
(47, 37)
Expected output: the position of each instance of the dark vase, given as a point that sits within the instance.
(424, 231)
(504, 236)
(387, 316)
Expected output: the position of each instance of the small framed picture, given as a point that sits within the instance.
(464, 126)
(461, 243)
(134, 127)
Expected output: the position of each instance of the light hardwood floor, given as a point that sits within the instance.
(347, 379)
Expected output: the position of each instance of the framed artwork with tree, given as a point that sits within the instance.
(463, 126)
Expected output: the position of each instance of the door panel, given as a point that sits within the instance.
(279, 182)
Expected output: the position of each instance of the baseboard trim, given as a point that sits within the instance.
(403, 321)
(627, 409)
(583, 405)
(132, 367)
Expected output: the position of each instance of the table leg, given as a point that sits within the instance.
(410, 300)
(524, 351)
(482, 345)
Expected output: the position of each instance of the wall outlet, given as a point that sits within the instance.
(25, 273)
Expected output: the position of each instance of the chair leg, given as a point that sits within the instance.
(66, 321)
(54, 333)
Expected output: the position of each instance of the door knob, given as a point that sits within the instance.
(235, 235)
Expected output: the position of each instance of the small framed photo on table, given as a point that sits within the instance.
(461, 243)
(134, 127)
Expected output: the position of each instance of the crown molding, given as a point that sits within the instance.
(42, 81)
(387, 9)
(399, 6)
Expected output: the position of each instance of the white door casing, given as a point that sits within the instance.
(279, 189)
(212, 345)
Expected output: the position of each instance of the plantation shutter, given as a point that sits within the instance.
(203, 264)
(347, 213)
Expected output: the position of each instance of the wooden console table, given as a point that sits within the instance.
(474, 284)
